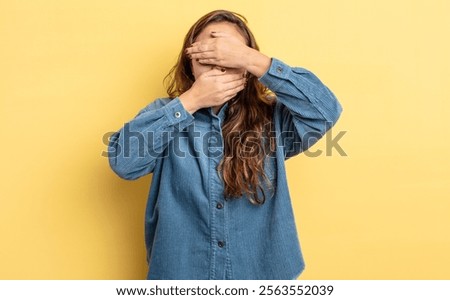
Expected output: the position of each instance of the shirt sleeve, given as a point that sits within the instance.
(305, 108)
(133, 150)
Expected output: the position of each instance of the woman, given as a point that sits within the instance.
(219, 205)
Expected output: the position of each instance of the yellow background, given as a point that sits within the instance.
(72, 71)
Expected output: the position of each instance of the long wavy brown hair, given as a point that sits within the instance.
(248, 125)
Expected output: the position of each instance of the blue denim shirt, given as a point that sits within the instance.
(191, 232)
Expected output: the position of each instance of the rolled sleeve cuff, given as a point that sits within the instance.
(177, 114)
(277, 70)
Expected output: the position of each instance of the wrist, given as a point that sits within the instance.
(188, 102)
(257, 63)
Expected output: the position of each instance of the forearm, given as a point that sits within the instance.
(133, 150)
(301, 92)
(305, 108)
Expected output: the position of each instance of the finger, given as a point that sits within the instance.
(227, 98)
(201, 55)
(204, 45)
(224, 77)
(205, 60)
(233, 92)
(217, 34)
(199, 49)
(233, 79)
(215, 72)
(227, 78)
(204, 41)
(234, 86)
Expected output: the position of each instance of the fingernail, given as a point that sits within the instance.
(222, 69)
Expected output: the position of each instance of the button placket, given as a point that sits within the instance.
(217, 206)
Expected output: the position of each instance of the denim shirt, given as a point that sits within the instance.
(191, 231)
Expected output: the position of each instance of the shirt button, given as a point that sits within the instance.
(279, 69)
(219, 205)
(177, 114)
(221, 244)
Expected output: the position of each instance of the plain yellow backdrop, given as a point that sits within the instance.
(72, 71)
